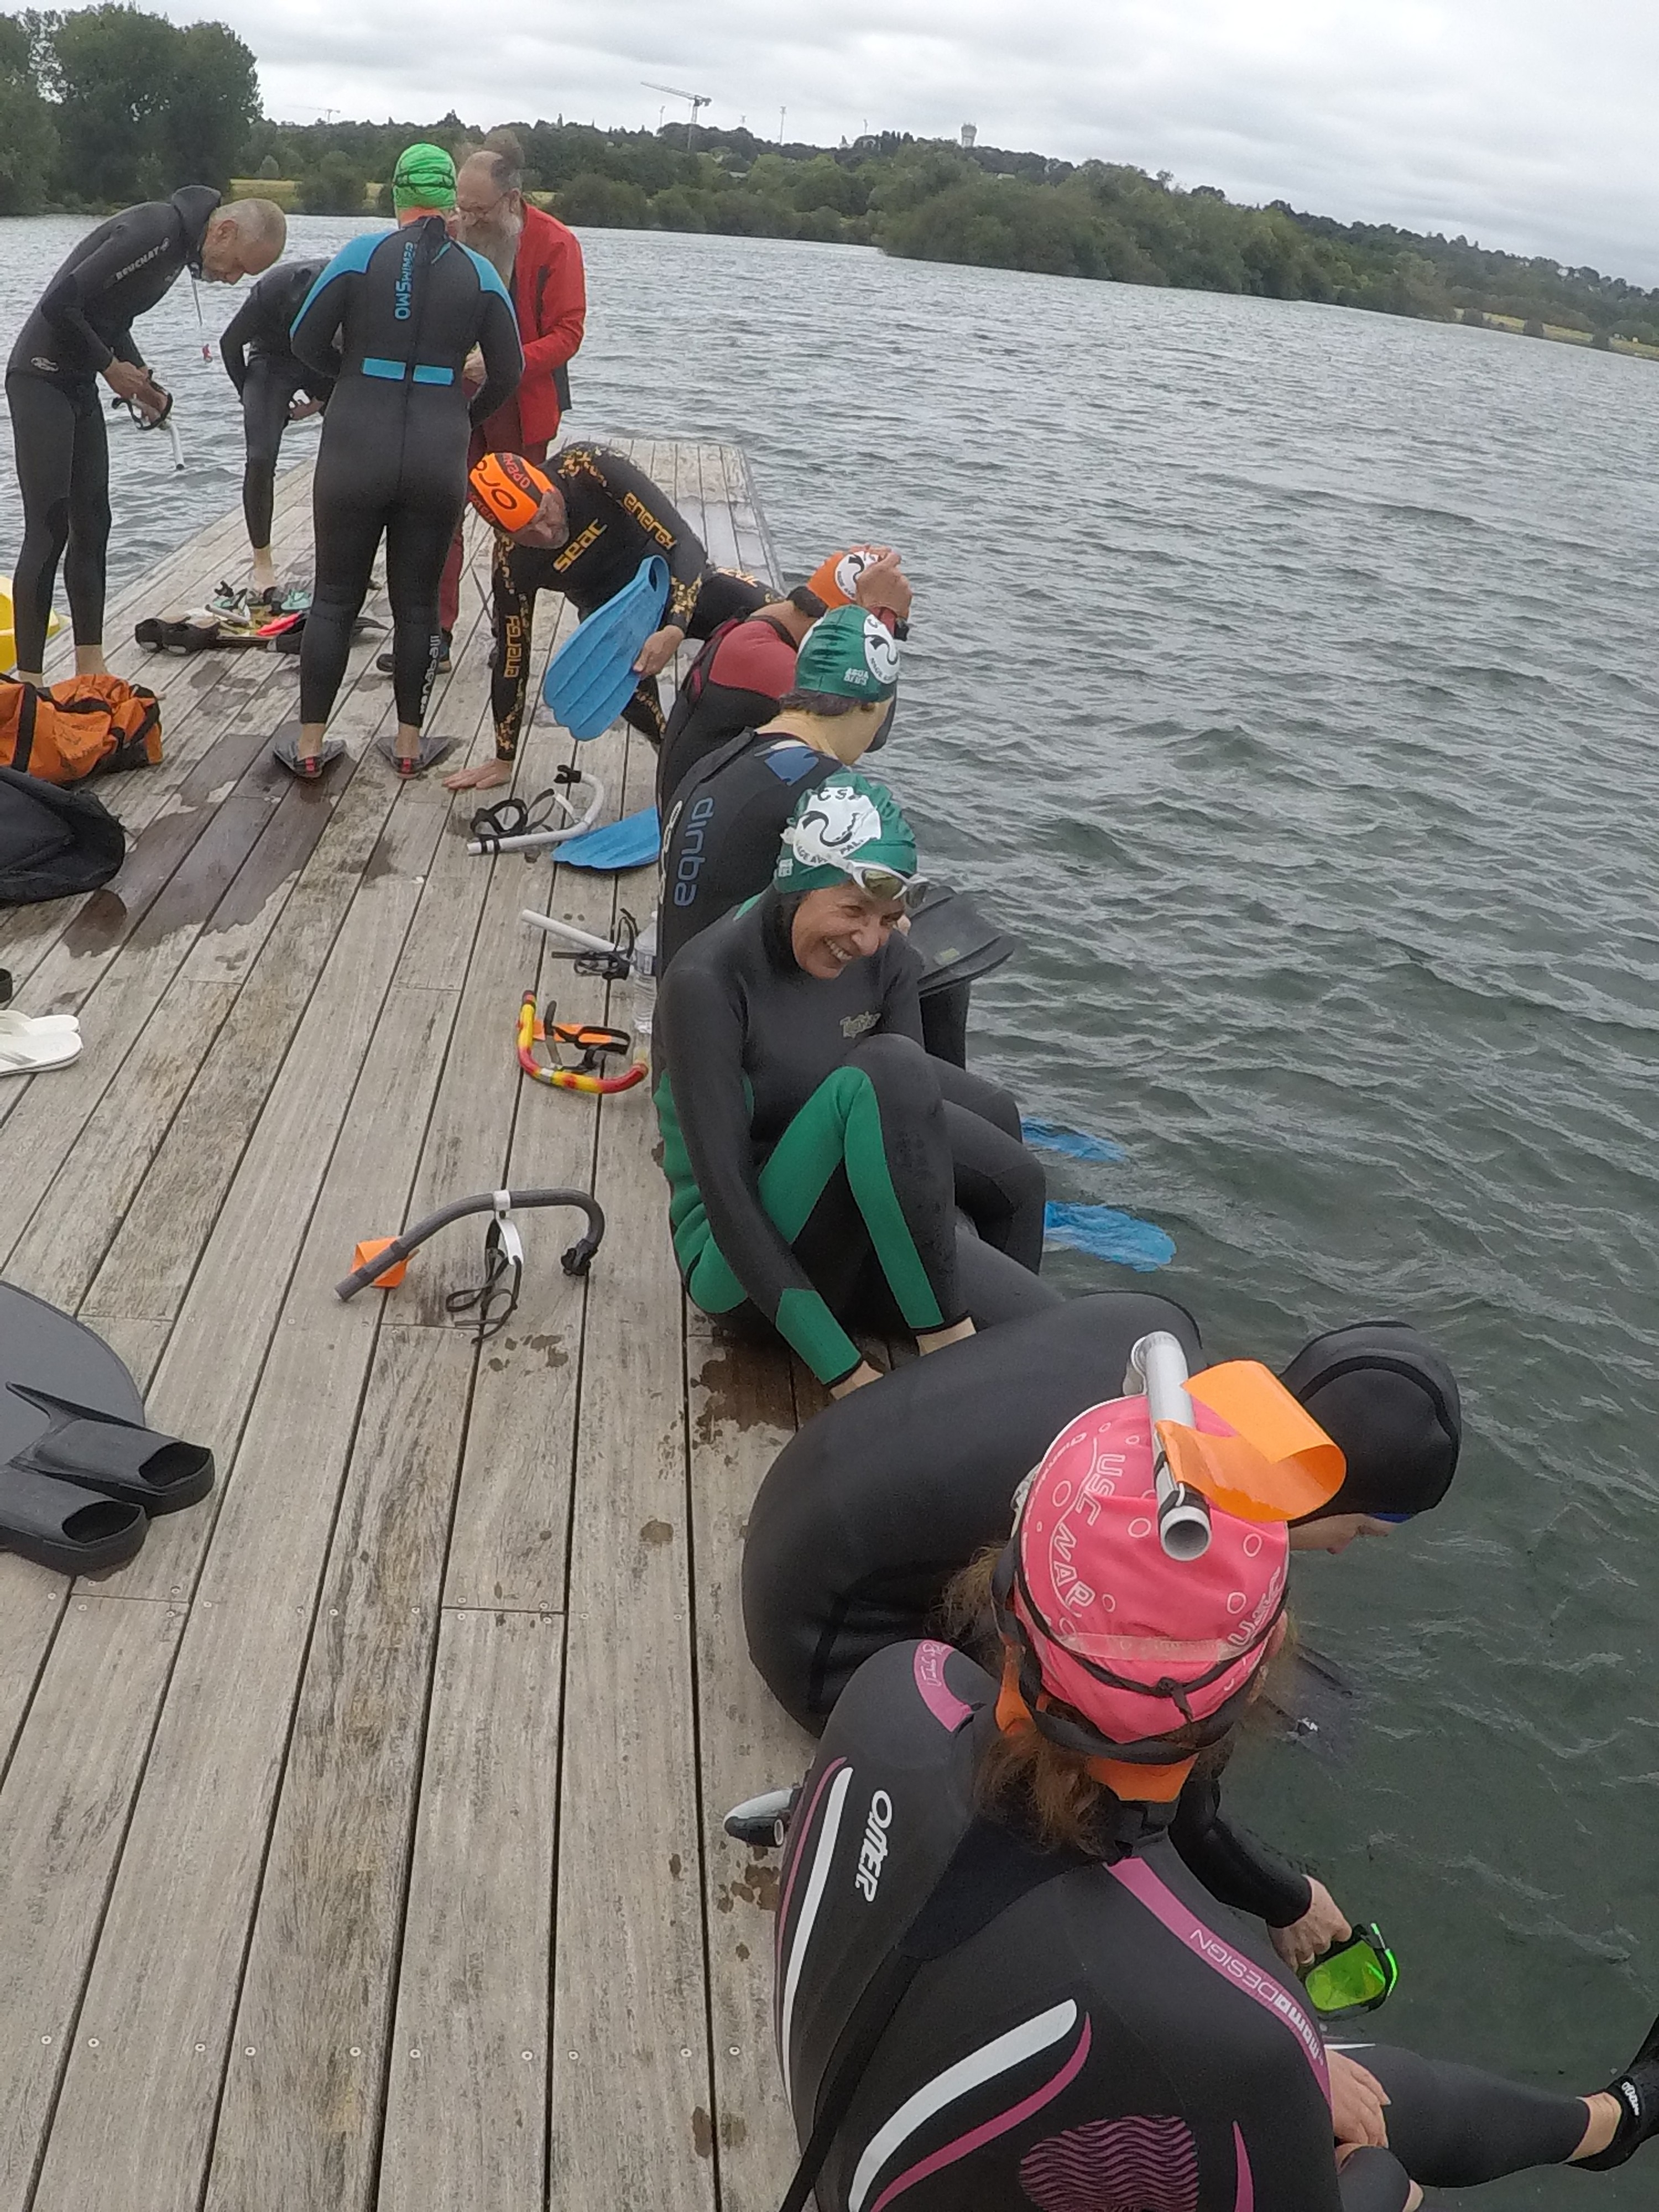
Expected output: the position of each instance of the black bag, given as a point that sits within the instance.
(54, 839)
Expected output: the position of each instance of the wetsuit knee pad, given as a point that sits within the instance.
(880, 1498)
(1452, 2126)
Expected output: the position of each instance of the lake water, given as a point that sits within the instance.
(1286, 676)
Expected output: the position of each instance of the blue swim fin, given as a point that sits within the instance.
(590, 679)
(1054, 1137)
(633, 842)
(1105, 1234)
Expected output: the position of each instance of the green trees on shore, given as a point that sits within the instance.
(110, 104)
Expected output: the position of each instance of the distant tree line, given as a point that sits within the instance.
(111, 104)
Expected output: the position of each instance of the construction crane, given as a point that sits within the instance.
(699, 100)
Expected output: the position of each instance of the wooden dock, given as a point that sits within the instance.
(360, 1843)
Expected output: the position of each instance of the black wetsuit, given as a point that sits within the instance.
(1078, 2034)
(618, 519)
(719, 846)
(734, 684)
(258, 358)
(863, 1519)
(816, 1155)
(82, 322)
(392, 319)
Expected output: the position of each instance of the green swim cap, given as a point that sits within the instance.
(848, 819)
(424, 178)
(850, 653)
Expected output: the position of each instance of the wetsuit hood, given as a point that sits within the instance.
(197, 204)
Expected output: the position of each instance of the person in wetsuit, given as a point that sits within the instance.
(815, 1154)
(79, 330)
(275, 390)
(393, 319)
(866, 1516)
(998, 1986)
(738, 681)
(581, 526)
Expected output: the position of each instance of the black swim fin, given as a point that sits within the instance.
(71, 1531)
(432, 750)
(123, 1459)
(957, 942)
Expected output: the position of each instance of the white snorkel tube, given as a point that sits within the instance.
(1157, 1365)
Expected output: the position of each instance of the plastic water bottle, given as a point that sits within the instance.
(645, 989)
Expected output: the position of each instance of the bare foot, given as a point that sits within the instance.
(484, 777)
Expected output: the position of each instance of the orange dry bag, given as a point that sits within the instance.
(85, 725)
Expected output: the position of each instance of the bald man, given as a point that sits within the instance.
(80, 330)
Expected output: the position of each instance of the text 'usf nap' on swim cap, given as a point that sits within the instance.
(850, 654)
(424, 178)
(1097, 1594)
(850, 817)
(507, 490)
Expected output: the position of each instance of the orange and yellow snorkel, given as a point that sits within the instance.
(593, 1043)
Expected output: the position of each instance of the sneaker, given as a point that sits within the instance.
(383, 660)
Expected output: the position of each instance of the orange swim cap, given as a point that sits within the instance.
(835, 578)
(507, 490)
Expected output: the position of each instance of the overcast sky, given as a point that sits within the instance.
(1526, 124)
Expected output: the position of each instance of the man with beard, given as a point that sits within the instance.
(540, 263)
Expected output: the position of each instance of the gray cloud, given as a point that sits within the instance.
(1515, 121)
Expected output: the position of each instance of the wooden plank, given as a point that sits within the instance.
(299, 2118)
(629, 1988)
(62, 1813)
(466, 2107)
(32, 1603)
(755, 543)
(140, 2111)
(742, 1414)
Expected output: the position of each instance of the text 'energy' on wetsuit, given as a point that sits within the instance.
(392, 319)
(734, 684)
(1064, 2031)
(83, 322)
(258, 358)
(617, 518)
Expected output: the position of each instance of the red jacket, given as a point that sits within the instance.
(550, 292)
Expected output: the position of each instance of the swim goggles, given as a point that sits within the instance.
(1353, 1976)
(886, 883)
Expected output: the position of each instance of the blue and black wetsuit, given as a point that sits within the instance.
(815, 1156)
(1076, 2032)
(81, 323)
(258, 358)
(393, 319)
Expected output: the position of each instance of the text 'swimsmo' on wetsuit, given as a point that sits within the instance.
(392, 319)
(82, 322)
(617, 518)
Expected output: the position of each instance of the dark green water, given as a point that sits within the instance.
(1286, 676)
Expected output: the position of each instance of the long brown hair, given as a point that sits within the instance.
(1024, 1778)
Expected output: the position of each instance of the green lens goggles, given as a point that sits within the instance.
(1354, 1977)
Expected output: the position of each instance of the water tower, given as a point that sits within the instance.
(970, 132)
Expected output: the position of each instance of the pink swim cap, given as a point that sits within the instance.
(1135, 1642)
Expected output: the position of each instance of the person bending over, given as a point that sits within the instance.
(582, 526)
(275, 390)
(393, 319)
(738, 681)
(721, 828)
(865, 1516)
(80, 330)
(999, 1988)
(815, 1155)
